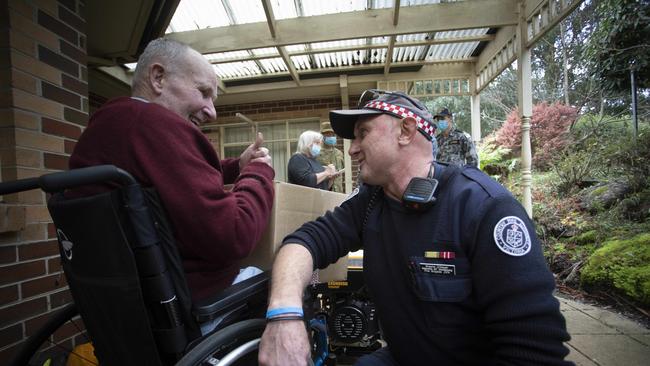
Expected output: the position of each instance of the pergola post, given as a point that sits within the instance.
(475, 105)
(345, 104)
(525, 100)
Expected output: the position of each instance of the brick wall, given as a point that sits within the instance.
(43, 109)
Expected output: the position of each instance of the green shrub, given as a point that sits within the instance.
(623, 265)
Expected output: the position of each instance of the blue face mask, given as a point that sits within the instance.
(442, 125)
(315, 150)
(330, 140)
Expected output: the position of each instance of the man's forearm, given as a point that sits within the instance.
(292, 271)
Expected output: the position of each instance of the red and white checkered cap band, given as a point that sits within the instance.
(404, 112)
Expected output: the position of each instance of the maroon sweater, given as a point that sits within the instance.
(213, 228)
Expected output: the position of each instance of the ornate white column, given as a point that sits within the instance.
(525, 99)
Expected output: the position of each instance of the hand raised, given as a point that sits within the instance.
(255, 152)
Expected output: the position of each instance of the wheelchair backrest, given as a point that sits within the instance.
(125, 275)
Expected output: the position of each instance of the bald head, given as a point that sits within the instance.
(163, 51)
(177, 77)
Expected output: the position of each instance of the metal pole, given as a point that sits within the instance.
(635, 121)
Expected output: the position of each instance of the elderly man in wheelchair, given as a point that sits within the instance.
(150, 241)
(124, 272)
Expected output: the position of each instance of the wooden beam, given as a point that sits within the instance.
(396, 13)
(270, 19)
(482, 38)
(292, 69)
(366, 24)
(344, 69)
(389, 55)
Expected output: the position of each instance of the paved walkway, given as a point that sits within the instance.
(602, 338)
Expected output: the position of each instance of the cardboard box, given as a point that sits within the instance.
(293, 206)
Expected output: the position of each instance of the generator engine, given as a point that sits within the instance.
(353, 327)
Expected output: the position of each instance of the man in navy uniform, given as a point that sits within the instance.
(454, 267)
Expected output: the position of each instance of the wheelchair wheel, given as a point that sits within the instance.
(236, 344)
(45, 336)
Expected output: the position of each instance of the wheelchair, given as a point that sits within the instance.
(127, 282)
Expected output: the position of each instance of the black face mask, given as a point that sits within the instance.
(419, 194)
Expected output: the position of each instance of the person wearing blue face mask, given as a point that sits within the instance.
(304, 169)
(331, 155)
(454, 146)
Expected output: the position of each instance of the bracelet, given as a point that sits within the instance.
(283, 311)
(281, 318)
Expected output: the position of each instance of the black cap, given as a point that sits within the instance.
(396, 104)
(443, 113)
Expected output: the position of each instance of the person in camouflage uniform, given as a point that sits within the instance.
(331, 155)
(454, 146)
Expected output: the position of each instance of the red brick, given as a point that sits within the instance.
(55, 162)
(298, 102)
(306, 107)
(75, 85)
(70, 4)
(11, 334)
(60, 298)
(38, 250)
(51, 230)
(320, 106)
(69, 146)
(72, 19)
(73, 52)
(264, 110)
(42, 285)
(57, 61)
(277, 109)
(7, 254)
(21, 271)
(73, 116)
(60, 95)
(293, 108)
(62, 129)
(54, 265)
(23, 310)
(8, 294)
(7, 354)
(56, 26)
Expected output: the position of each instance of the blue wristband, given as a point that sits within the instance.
(283, 311)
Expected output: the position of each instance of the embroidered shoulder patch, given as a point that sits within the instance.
(511, 236)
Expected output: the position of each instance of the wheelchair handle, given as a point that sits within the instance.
(68, 179)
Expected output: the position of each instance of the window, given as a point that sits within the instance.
(280, 137)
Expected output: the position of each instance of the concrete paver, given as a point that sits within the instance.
(600, 337)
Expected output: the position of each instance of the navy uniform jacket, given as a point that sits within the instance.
(488, 303)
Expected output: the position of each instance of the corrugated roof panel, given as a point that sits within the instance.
(198, 14)
(295, 48)
(264, 51)
(237, 69)
(226, 55)
(284, 9)
(319, 7)
(247, 11)
(273, 65)
(301, 62)
(461, 33)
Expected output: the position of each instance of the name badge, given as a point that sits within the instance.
(438, 269)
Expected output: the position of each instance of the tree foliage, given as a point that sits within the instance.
(620, 42)
(549, 127)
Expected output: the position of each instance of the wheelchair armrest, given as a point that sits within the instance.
(231, 298)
